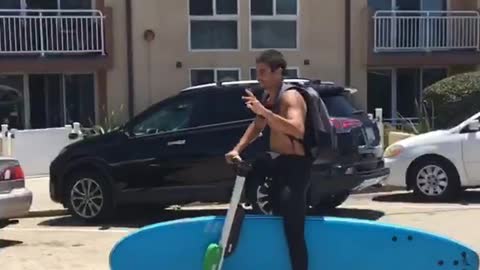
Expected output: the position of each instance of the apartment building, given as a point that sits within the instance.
(77, 60)
(414, 43)
(56, 53)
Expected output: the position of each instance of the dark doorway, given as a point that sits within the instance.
(379, 84)
(408, 91)
(46, 100)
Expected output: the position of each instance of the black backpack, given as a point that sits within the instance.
(320, 139)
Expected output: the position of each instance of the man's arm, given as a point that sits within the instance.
(251, 134)
(294, 108)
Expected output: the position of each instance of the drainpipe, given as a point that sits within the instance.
(130, 71)
(348, 26)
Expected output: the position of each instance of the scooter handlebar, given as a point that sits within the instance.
(237, 160)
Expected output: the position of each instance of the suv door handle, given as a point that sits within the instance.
(179, 142)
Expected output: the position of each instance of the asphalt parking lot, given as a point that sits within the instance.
(61, 242)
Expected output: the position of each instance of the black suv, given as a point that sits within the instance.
(173, 153)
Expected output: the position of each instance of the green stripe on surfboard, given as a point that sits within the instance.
(212, 257)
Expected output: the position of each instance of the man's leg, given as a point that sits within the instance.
(293, 210)
(294, 225)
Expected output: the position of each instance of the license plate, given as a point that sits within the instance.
(370, 134)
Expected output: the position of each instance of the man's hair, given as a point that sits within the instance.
(274, 59)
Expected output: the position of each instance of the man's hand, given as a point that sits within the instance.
(232, 155)
(254, 104)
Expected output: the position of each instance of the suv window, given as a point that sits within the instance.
(173, 116)
(338, 106)
(226, 105)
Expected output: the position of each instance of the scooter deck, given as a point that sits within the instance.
(333, 243)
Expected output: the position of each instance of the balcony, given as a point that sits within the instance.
(55, 37)
(424, 37)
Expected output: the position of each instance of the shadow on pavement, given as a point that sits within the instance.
(135, 218)
(467, 198)
(132, 218)
(355, 213)
(9, 243)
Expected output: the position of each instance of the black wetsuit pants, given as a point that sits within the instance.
(291, 176)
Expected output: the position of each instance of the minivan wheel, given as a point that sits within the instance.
(435, 180)
(89, 196)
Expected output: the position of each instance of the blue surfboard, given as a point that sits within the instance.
(333, 243)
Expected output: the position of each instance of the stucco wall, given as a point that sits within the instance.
(359, 39)
(117, 84)
(156, 74)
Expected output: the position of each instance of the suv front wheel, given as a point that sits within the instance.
(89, 196)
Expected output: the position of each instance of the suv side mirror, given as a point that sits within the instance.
(474, 125)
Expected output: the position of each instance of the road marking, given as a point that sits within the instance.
(74, 230)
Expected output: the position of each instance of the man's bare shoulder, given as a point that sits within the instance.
(292, 98)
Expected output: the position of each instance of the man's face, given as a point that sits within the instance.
(266, 77)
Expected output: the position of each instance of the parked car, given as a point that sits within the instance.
(173, 153)
(15, 198)
(437, 165)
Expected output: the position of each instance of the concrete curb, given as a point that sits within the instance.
(46, 213)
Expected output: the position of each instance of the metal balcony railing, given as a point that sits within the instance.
(421, 31)
(26, 32)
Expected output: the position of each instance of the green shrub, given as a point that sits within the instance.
(454, 98)
(111, 122)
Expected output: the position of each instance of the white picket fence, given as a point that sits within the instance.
(36, 148)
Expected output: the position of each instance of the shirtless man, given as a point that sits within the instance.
(292, 165)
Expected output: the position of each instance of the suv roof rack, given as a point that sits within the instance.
(229, 83)
(303, 81)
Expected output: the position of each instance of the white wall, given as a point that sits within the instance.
(36, 148)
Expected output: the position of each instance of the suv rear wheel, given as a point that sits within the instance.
(262, 201)
(331, 202)
(89, 196)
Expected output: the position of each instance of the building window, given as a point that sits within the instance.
(213, 24)
(11, 103)
(274, 24)
(208, 75)
(292, 72)
(59, 99)
(397, 91)
(47, 4)
(47, 100)
(80, 99)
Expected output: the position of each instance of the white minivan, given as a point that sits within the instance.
(437, 165)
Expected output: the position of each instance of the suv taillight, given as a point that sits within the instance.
(12, 173)
(345, 125)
